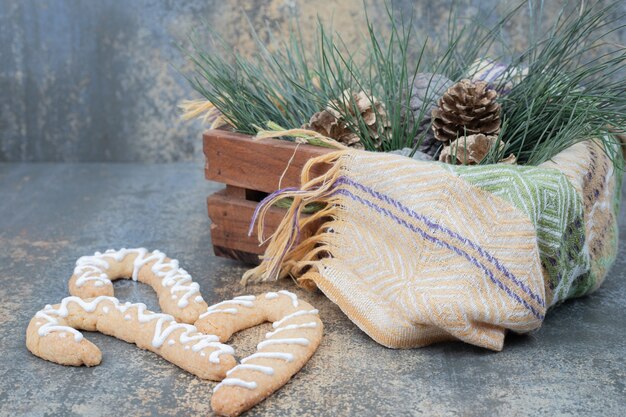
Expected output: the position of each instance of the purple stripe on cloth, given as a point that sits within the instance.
(433, 225)
(446, 245)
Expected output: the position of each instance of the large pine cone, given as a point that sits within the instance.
(333, 123)
(467, 108)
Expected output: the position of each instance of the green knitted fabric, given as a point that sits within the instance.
(556, 209)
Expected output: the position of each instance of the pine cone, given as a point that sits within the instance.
(325, 123)
(427, 89)
(332, 123)
(471, 150)
(467, 108)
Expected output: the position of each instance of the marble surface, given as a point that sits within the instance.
(51, 214)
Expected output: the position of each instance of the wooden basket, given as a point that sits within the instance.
(251, 169)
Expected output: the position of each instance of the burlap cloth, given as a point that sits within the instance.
(418, 252)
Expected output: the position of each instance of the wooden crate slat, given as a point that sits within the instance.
(231, 219)
(237, 160)
(235, 192)
(250, 169)
(245, 257)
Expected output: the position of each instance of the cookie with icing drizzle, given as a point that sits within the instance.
(178, 294)
(53, 335)
(297, 332)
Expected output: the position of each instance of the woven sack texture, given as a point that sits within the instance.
(419, 252)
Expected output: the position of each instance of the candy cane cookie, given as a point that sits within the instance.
(286, 349)
(52, 335)
(178, 294)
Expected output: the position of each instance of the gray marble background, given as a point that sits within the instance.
(84, 80)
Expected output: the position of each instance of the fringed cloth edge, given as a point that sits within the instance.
(285, 255)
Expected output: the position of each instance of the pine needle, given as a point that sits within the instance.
(570, 92)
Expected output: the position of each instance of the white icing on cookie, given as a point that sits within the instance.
(292, 327)
(236, 382)
(245, 298)
(294, 298)
(164, 328)
(296, 335)
(283, 356)
(92, 269)
(287, 357)
(245, 303)
(52, 325)
(292, 315)
(267, 370)
(242, 300)
(225, 310)
(291, 341)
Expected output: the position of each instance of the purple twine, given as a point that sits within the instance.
(264, 202)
